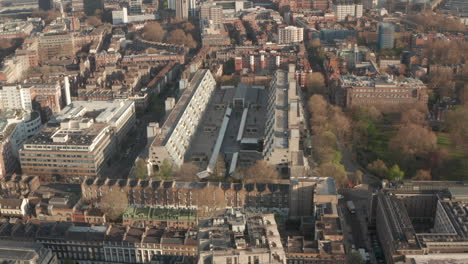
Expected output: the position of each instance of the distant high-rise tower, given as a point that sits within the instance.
(182, 8)
(46, 4)
(386, 36)
(171, 4)
(211, 14)
(135, 6)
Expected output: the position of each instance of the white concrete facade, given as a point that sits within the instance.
(174, 137)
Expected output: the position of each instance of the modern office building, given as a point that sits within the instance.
(46, 4)
(79, 140)
(345, 8)
(25, 252)
(238, 237)
(182, 9)
(386, 36)
(173, 138)
(290, 34)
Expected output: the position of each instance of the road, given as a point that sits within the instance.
(120, 164)
(355, 228)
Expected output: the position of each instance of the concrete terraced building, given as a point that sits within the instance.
(285, 123)
(173, 138)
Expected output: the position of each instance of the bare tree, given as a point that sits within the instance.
(114, 204)
(315, 83)
(261, 172)
(187, 172)
(176, 36)
(422, 175)
(457, 126)
(413, 140)
(358, 177)
(413, 116)
(179, 37)
(378, 167)
(153, 32)
(210, 201)
(93, 21)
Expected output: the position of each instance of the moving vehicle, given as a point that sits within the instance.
(351, 207)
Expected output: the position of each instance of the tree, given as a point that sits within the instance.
(209, 200)
(422, 175)
(411, 140)
(315, 43)
(378, 167)
(358, 177)
(114, 204)
(141, 171)
(5, 44)
(47, 16)
(261, 172)
(334, 170)
(354, 258)
(315, 83)
(441, 82)
(187, 172)
(153, 32)
(93, 21)
(457, 126)
(395, 174)
(176, 36)
(413, 116)
(219, 170)
(165, 171)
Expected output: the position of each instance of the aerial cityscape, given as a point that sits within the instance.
(234, 131)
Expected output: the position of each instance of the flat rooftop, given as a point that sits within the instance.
(171, 121)
(255, 101)
(148, 213)
(83, 137)
(100, 111)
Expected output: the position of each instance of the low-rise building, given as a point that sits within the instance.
(381, 91)
(238, 237)
(26, 252)
(14, 207)
(195, 195)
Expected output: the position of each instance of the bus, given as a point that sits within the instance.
(351, 207)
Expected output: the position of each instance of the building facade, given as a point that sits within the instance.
(79, 140)
(345, 8)
(173, 138)
(285, 123)
(386, 36)
(182, 9)
(290, 34)
(380, 91)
